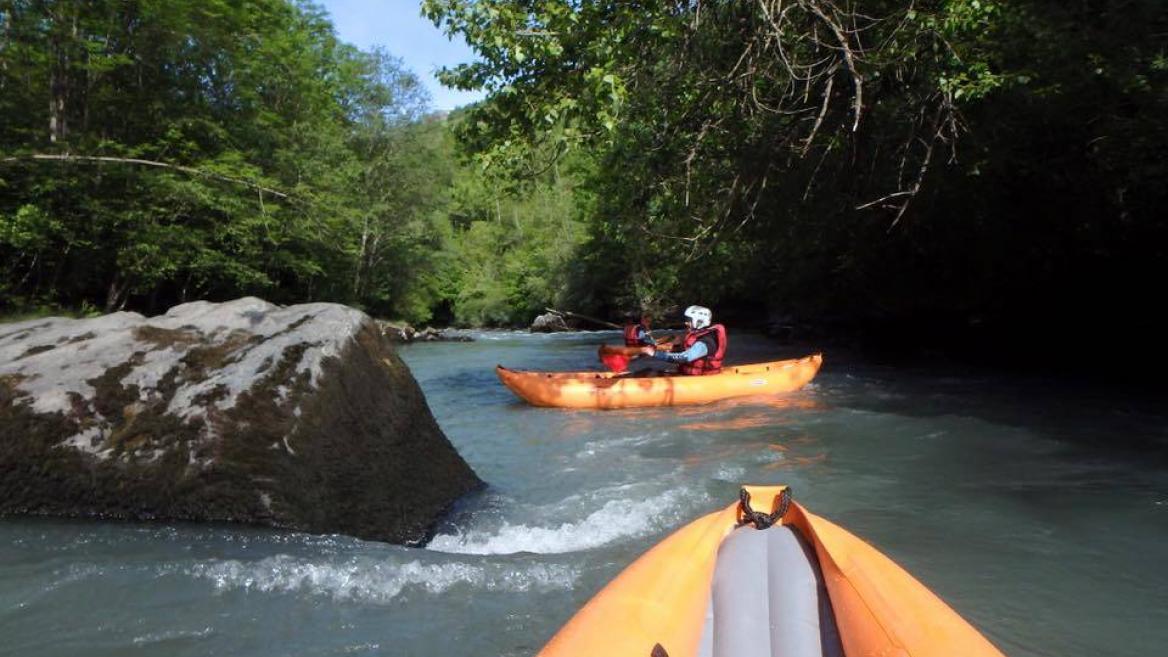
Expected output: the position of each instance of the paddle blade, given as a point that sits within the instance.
(615, 362)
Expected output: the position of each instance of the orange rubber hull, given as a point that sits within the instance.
(662, 597)
(606, 390)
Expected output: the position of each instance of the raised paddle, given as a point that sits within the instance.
(568, 313)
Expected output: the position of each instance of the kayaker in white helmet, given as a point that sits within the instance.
(702, 350)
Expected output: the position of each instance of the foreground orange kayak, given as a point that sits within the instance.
(608, 390)
(732, 584)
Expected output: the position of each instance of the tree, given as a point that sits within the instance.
(889, 161)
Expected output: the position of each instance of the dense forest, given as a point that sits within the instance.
(160, 151)
(946, 170)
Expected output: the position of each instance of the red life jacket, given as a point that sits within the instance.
(631, 335)
(710, 363)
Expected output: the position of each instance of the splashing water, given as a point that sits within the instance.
(365, 580)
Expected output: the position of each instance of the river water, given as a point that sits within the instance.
(1037, 509)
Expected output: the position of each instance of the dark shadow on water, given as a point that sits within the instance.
(1093, 420)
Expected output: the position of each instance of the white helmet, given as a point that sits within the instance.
(700, 316)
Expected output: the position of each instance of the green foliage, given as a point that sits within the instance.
(512, 247)
(949, 157)
(219, 92)
(213, 149)
(945, 158)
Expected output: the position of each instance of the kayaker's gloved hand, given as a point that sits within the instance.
(698, 350)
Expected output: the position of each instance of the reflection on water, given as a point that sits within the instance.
(782, 402)
(1036, 509)
(743, 422)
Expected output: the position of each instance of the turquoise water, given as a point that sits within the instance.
(1037, 509)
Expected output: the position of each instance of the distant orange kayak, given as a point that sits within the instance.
(729, 585)
(608, 390)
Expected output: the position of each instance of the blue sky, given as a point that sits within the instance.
(399, 27)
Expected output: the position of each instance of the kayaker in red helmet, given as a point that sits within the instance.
(702, 350)
(637, 331)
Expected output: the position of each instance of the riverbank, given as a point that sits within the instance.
(1077, 349)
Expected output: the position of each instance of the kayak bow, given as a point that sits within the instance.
(731, 584)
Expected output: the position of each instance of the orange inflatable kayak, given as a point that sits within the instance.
(766, 578)
(608, 390)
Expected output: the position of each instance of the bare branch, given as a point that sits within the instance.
(888, 197)
(849, 58)
(822, 112)
(149, 163)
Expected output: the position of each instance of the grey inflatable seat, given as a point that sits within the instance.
(768, 599)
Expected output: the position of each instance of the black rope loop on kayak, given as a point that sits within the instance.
(759, 519)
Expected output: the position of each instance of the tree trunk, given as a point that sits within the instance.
(361, 259)
(5, 39)
(56, 91)
(115, 296)
(60, 44)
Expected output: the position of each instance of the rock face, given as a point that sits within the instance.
(300, 417)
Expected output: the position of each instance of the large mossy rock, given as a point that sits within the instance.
(300, 417)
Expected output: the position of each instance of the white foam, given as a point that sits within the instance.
(594, 447)
(377, 581)
(361, 647)
(617, 519)
(731, 473)
(172, 635)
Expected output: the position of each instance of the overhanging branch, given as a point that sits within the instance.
(149, 163)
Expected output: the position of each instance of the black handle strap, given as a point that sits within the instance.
(759, 519)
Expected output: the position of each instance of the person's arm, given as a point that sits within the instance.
(698, 350)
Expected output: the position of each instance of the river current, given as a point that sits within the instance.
(1036, 508)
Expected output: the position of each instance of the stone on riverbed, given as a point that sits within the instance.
(549, 323)
(299, 417)
(404, 333)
